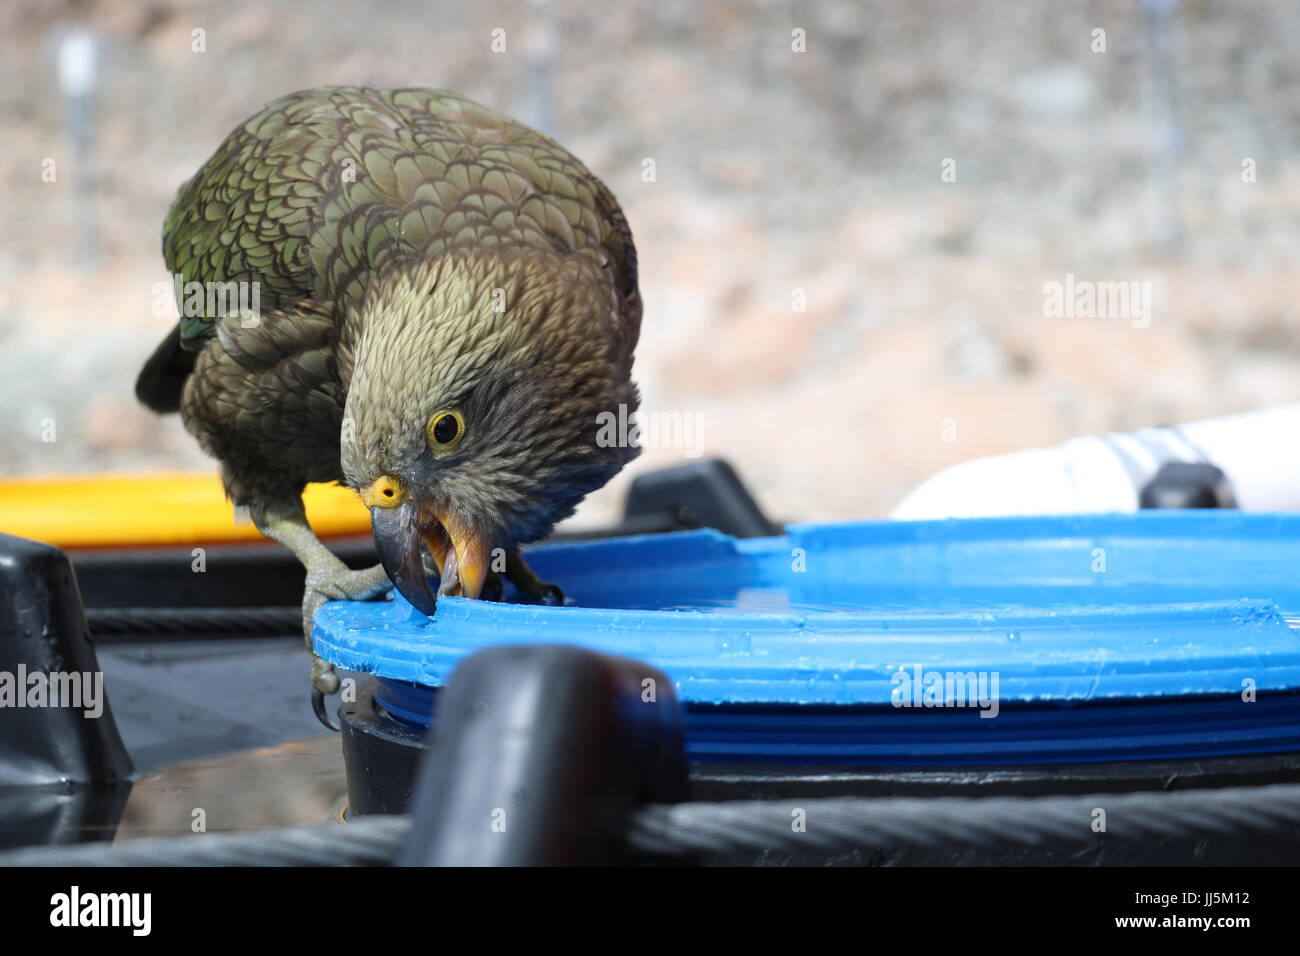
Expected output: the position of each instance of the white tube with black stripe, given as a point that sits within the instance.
(1257, 453)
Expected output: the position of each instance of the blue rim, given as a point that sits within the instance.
(885, 737)
(1110, 636)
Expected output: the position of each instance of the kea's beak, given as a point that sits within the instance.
(400, 522)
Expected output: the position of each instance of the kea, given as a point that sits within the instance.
(446, 308)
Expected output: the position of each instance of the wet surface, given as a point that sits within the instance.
(185, 700)
(296, 783)
(222, 736)
(292, 784)
(818, 599)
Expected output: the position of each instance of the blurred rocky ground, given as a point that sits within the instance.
(777, 175)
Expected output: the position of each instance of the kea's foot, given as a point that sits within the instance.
(528, 583)
(333, 582)
(328, 579)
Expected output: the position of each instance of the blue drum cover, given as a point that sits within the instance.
(932, 642)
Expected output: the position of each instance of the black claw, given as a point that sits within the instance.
(551, 596)
(533, 589)
(318, 708)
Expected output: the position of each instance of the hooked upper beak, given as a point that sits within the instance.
(401, 521)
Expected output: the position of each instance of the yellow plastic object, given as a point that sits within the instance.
(129, 511)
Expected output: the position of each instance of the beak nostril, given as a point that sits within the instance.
(384, 492)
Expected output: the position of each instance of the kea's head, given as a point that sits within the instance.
(478, 384)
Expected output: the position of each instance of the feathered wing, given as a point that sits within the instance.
(323, 189)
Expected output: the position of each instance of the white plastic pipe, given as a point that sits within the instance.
(1258, 451)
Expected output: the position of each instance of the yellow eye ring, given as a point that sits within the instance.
(446, 429)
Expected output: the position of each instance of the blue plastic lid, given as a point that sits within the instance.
(1155, 607)
(1078, 608)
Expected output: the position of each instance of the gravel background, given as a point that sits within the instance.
(775, 171)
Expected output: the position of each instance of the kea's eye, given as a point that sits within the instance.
(446, 428)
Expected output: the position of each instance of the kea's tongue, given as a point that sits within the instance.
(460, 552)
